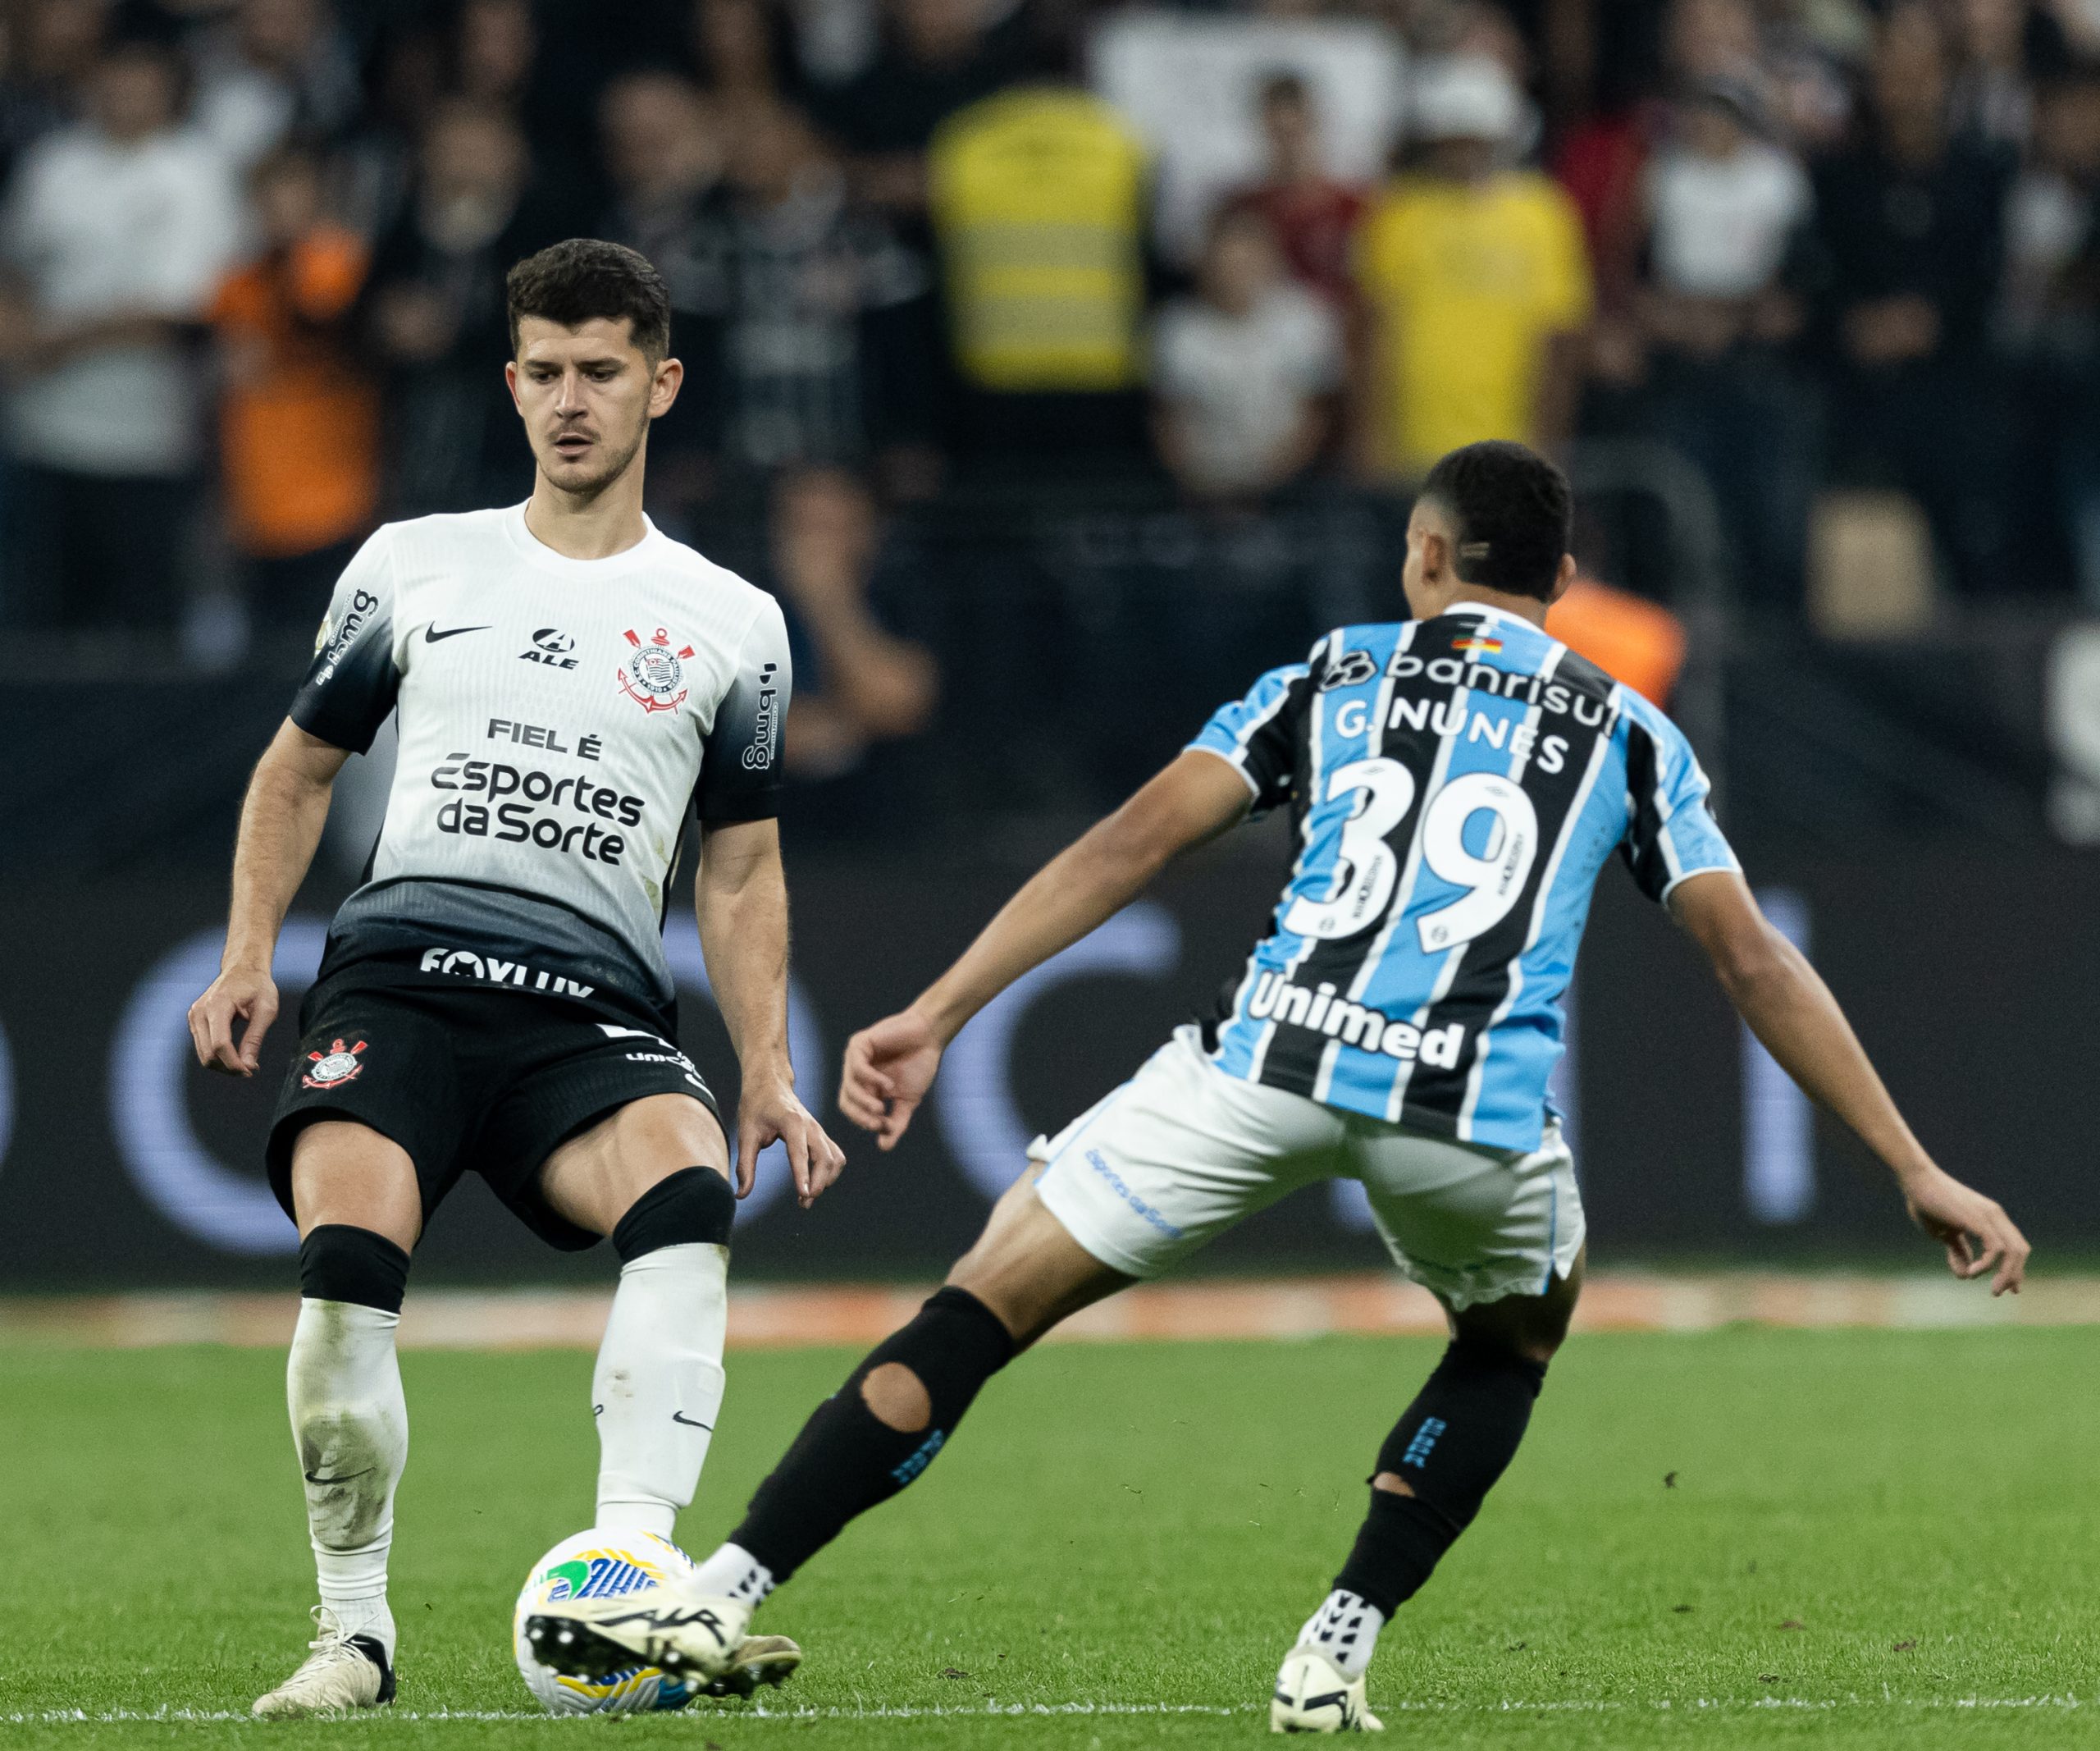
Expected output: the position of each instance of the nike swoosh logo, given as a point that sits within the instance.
(679, 1416)
(343, 1477)
(431, 634)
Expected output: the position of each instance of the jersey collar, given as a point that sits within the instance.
(538, 555)
(1489, 610)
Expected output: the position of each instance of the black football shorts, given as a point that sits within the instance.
(469, 1081)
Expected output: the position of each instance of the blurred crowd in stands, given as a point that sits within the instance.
(1841, 256)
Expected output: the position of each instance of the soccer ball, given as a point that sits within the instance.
(596, 1564)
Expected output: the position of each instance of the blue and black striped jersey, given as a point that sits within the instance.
(1457, 785)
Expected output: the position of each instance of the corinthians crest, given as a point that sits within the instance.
(654, 677)
(339, 1064)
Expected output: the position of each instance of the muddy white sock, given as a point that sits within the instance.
(733, 1573)
(657, 1389)
(350, 1425)
(1345, 1628)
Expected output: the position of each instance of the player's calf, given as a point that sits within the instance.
(1433, 1472)
(350, 1425)
(865, 1442)
(658, 1386)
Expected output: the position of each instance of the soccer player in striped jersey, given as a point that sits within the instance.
(1457, 781)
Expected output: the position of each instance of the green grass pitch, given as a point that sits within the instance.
(1746, 1538)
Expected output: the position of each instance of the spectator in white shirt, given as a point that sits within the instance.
(277, 70)
(1726, 208)
(117, 229)
(1245, 373)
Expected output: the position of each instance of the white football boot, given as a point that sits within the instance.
(343, 1673)
(686, 1636)
(1312, 1696)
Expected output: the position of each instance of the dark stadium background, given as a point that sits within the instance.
(1865, 576)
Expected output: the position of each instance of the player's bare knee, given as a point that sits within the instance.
(1529, 1327)
(1393, 1483)
(898, 1397)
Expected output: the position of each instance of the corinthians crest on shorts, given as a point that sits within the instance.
(654, 677)
(338, 1064)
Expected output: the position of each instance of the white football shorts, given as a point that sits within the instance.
(1182, 1151)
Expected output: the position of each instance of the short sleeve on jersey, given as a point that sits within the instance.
(1670, 832)
(740, 758)
(352, 684)
(1258, 734)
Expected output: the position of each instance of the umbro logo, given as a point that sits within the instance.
(1351, 669)
(431, 635)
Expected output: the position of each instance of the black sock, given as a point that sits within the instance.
(1458, 1437)
(846, 1459)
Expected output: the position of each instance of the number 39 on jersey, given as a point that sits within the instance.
(1455, 785)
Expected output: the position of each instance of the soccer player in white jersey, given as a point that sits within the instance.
(1458, 781)
(494, 998)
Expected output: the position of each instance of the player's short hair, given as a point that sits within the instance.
(574, 283)
(1511, 511)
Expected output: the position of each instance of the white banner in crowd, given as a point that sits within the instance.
(1190, 86)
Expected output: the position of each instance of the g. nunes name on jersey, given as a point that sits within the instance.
(519, 805)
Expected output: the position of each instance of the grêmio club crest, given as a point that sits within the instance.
(654, 675)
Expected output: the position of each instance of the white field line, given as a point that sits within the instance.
(2063, 1704)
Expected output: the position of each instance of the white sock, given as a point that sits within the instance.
(658, 1386)
(1345, 1628)
(350, 1425)
(733, 1573)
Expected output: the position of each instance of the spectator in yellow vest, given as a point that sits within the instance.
(1038, 203)
(1476, 283)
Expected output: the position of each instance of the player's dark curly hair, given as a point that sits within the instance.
(1511, 512)
(573, 282)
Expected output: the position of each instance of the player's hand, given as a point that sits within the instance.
(1978, 1234)
(770, 1112)
(889, 1067)
(238, 992)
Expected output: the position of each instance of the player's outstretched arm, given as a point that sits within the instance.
(741, 897)
(1791, 1011)
(890, 1066)
(280, 823)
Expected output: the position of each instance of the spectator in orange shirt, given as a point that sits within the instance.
(298, 420)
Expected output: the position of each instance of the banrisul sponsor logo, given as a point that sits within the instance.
(1324, 1011)
(1552, 698)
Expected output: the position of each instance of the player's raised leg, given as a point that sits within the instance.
(895, 1412)
(868, 1441)
(359, 1214)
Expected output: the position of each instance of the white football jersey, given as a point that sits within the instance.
(557, 718)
